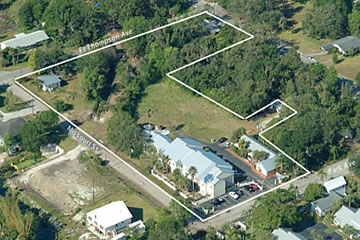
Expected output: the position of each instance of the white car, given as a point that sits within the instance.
(233, 195)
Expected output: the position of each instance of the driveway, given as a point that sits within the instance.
(321, 229)
(11, 115)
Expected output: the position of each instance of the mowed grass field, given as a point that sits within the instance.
(178, 108)
(295, 35)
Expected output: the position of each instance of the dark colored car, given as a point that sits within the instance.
(239, 192)
(254, 187)
(223, 139)
(215, 202)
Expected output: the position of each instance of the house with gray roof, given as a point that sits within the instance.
(343, 45)
(25, 41)
(323, 205)
(12, 127)
(285, 234)
(267, 166)
(347, 216)
(213, 175)
(49, 82)
(337, 185)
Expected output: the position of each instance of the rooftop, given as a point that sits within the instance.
(12, 126)
(347, 42)
(285, 234)
(189, 153)
(25, 40)
(350, 216)
(49, 79)
(325, 202)
(335, 183)
(111, 214)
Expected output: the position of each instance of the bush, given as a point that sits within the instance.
(335, 58)
(61, 106)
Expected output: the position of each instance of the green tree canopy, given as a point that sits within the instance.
(313, 192)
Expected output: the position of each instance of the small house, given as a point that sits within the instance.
(25, 41)
(49, 82)
(266, 166)
(347, 216)
(337, 185)
(344, 45)
(323, 205)
(107, 221)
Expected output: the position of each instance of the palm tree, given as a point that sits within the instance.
(280, 161)
(166, 160)
(192, 171)
(322, 174)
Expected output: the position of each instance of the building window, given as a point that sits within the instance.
(89, 218)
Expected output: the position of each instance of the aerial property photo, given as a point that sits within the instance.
(179, 119)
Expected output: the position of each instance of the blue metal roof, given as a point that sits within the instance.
(161, 142)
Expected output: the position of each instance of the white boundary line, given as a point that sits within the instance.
(192, 89)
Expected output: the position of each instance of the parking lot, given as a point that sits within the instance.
(244, 175)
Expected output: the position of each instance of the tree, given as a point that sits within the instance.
(192, 171)
(273, 210)
(259, 155)
(280, 162)
(322, 174)
(354, 20)
(357, 79)
(166, 161)
(37, 132)
(349, 230)
(10, 101)
(335, 58)
(125, 135)
(9, 140)
(61, 106)
(313, 192)
(237, 134)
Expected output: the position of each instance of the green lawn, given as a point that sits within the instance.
(70, 93)
(68, 144)
(177, 108)
(348, 67)
(18, 103)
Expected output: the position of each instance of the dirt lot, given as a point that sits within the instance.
(64, 184)
(59, 181)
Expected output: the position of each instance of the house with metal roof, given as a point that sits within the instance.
(347, 216)
(267, 166)
(213, 175)
(25, 41)
(323, 205)
(107, 221)
(285, 234)
(343, 45)
(49, 82)
(337, 185)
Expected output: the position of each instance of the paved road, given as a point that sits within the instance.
(337, 169)
(8, 76)
(11, 115)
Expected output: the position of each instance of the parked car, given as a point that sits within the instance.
(254, 186)
(215, 202)
(233, 195)
(239, 193)
(223, 139)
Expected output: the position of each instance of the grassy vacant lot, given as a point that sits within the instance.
(178, 108)
(348, 67)
(69, 92)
